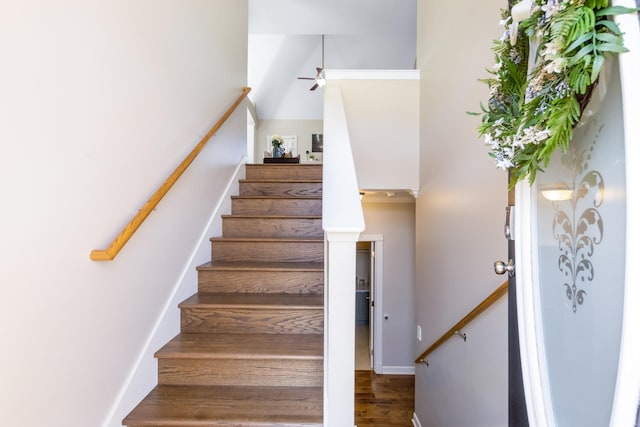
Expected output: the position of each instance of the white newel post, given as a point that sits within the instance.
(342, 221)
(339, 329)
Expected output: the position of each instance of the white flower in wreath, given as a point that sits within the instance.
(556, 66)
(532, 135)
(504, 158)
(505, 22)
(551, 8)
(493, 143)
(550, 50)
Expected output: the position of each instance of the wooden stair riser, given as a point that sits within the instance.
(276, 206)
(294, 282)
(284, 172)
(271, 227)
(290, 189)
(241, 372)
(266, 251)
(254, 320)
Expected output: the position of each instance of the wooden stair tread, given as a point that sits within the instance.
(239, 406)
(304, 239)
(265, 301)
(284, 165)
(262, 266)
(272, 216)
(276, 197)
(281, 181)
(244, 346)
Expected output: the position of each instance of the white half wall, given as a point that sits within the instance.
(99, 103)
(459, 221)
(382, 109)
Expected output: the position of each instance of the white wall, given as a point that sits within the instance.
(396, 223)
(459, 221)
(99, 102)
(300, 128)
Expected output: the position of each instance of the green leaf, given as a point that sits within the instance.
(581, 53)
(616, 10)
(585, 23)
(583, 38)
(611, 47)
(611, 26)
(597, 65)
(609, 38)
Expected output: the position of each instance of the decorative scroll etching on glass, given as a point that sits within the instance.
(579, 258)
(578, 227)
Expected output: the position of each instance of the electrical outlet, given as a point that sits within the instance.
(419, 333)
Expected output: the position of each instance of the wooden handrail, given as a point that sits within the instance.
(128, 231)
(486, 303)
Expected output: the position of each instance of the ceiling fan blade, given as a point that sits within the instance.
(320, 79)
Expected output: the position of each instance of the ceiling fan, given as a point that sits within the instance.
(320, 80)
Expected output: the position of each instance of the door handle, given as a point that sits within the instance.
(500, 267)
(509, 223)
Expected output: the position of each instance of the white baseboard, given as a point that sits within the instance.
(415, 421)
(130, 390)
(398, 370)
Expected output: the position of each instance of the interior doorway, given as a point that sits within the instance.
(368, 351)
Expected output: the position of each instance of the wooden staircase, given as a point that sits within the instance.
(250, 348)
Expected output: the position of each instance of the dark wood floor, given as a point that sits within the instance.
(383, 400)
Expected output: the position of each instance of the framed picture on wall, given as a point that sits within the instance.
(316, 142)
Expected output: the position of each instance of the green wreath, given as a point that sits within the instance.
(531, 114)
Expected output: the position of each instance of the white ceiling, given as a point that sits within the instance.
(285, 43)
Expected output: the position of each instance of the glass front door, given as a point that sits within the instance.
(580, 217)
(572, 266)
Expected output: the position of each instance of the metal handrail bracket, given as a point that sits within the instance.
(456, 329)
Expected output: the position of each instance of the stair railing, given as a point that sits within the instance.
(456, 329)
(128, 231)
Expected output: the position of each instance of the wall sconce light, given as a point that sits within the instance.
(361, 195)
(556, 192)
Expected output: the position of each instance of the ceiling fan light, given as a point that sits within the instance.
(321, 81)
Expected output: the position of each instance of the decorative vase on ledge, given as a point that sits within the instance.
(278, 151)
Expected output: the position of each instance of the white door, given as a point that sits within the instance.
(372, 299)
(376, 299)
